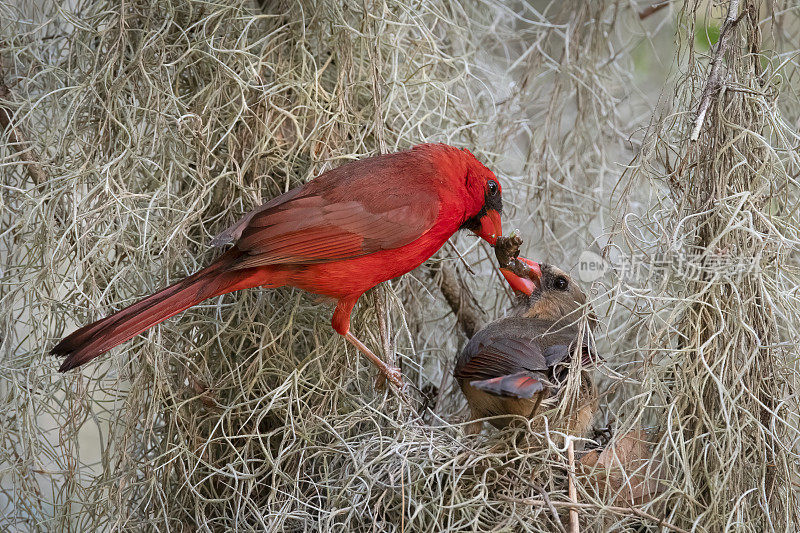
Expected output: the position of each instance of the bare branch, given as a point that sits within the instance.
(714, 80)
(652, 9)
(468, 314)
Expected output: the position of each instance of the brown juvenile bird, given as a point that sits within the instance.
(519, 365)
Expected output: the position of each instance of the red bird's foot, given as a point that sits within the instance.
(392, 374)
(387, 371)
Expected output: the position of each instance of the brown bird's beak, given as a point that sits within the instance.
(491, 227)
(527, 284)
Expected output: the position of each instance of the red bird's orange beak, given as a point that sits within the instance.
(528, 284)
(491, 227)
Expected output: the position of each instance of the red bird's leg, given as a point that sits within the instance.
(392, 373)
(341, 323)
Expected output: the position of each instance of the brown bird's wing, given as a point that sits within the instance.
(487, 357)
(512, 345)
(515, 356)
(357, 209)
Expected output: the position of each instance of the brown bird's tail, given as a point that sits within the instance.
(98, 337)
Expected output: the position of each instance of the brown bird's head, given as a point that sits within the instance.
(547, 293)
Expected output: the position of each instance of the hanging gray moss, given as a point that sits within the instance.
(134, 132)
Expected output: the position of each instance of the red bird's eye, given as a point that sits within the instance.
(492, 187)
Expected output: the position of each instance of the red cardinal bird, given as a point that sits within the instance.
(339, 235)
(518, 365)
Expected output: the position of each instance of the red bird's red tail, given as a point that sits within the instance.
(98, 337)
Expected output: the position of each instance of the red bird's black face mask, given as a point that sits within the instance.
(487, 224)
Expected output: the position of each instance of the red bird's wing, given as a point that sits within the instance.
(235, 231)
(334, 220)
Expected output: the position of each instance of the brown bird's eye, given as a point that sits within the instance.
(492, 187)
(561, 283)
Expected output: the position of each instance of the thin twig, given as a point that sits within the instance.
(553, 510)
(573, 493)
(653, 8)
(714, 80)
(460, 257)
(381, 293)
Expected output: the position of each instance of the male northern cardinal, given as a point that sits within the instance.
(339, 235)
(518, 365)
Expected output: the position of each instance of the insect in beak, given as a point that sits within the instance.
(528, 284)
